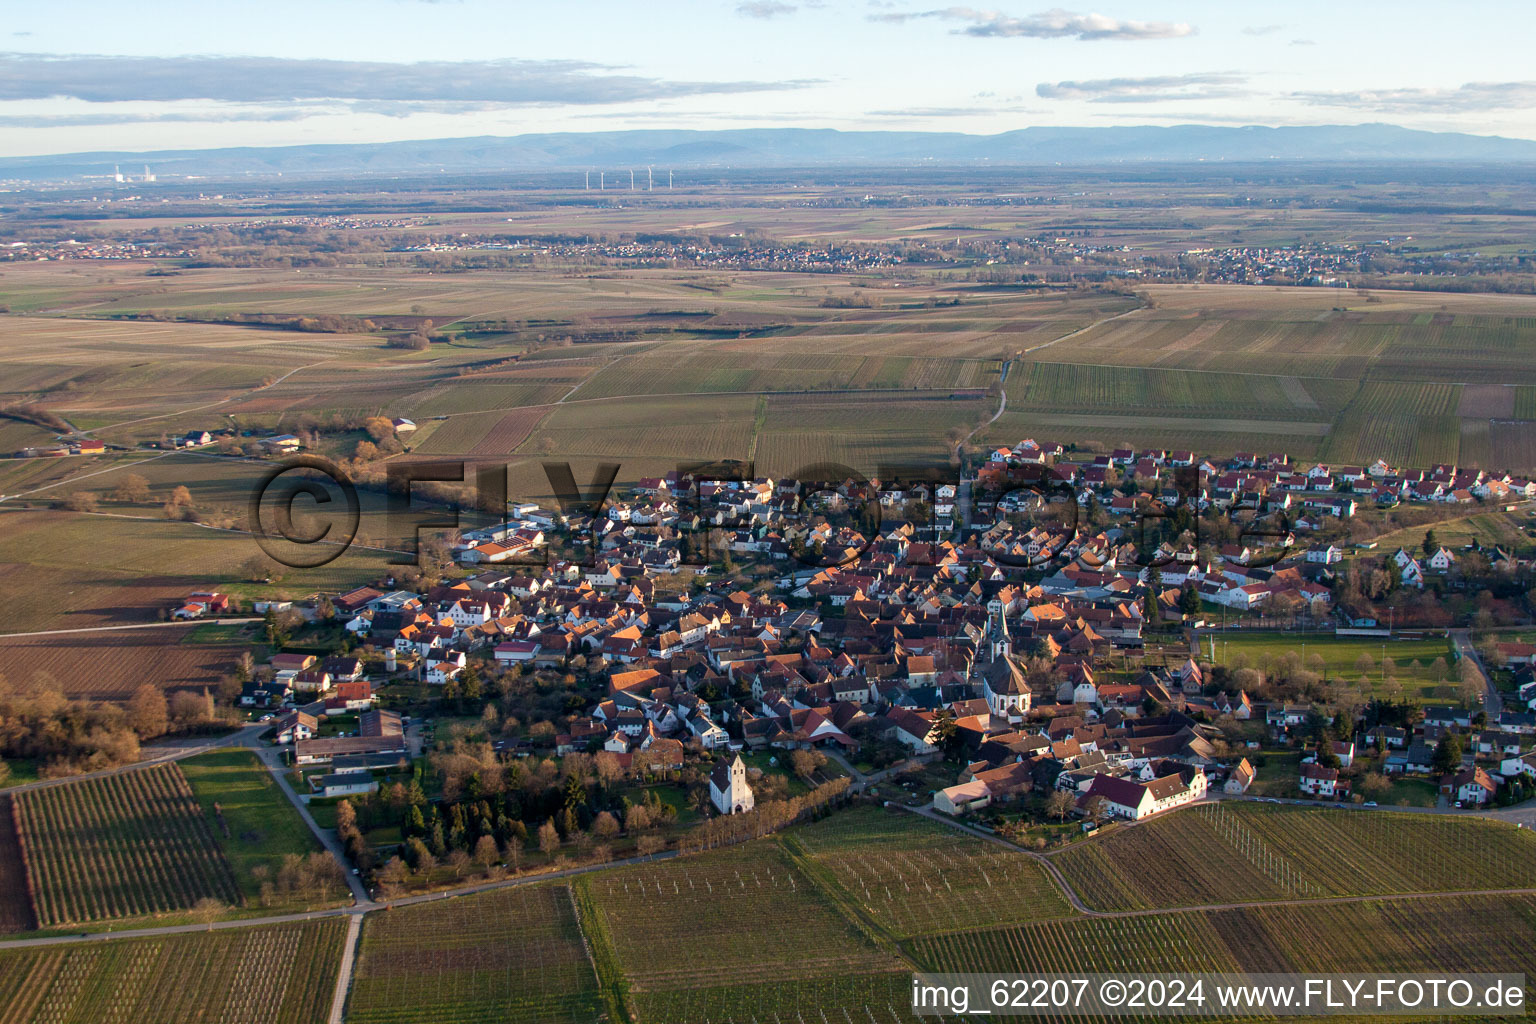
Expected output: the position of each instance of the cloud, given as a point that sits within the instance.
(98, 119)
(1473, 97)
(1262, 30)
(1303, 42)
(764, 9)
(1053, 24)
(1146, 90)
(103, 79)
(919, 112)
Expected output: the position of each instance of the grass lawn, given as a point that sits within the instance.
(263, 825)
(1278, 775)
(1409, 793)
(21, 770)
(223, 633)
(1412, 658)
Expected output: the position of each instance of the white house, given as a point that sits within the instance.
(1319, 781)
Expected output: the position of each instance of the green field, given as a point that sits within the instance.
(1413, 659)
(283, 974)
(1242, 852)
(263, 826)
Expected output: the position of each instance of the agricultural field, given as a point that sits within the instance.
(702, 368)
(111, 665)
(511, 956)
(1408, 424)
(705, 427)
(1226, 853)
(126, 845)
(1456, 934)
(103, 571)
(15, 905)
(253, 823)
(1413, 661)
(861, 432)
(916, 877)
(694, 910)
(1416, 379)
(285, 974)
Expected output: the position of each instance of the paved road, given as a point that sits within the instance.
(862, 782)
(243, 736)
(135, 625)
(1492, 702)
(344, 974)
(273, 760)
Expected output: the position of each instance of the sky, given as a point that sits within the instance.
(80, 75)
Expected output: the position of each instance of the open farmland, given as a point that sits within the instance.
(706, 427)
(1456, 934)
(15, 904)
(1249, 852)
(125, 845)
(703, 367)
(103, 571)
(861, 432)
(694, 911)
(284, 974)
(111, 665)
(513, 956)
(915, 877)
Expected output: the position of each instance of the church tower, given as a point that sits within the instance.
(999, 643)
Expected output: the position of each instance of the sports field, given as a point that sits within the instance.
(1412, 662)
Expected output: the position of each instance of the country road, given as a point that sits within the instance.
(1493, 704)
(135, 625)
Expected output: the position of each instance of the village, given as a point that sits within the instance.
(1050, 661)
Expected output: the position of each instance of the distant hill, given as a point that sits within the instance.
(802, 147)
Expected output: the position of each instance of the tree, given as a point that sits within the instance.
(421, 858)
(131, 488)
(1059, 804)
(605, 826)
(458, 860)
(649, 845)
(1471, 684)
(181, 497)
(206, 911)
(188, 708)
(806, 762)
(392, 876)
(1189, 601)
(380, 428)
(81, 501)
(1430, 545)
(486, 853)
(148, 712)
(346, 818)
(946, 734)
(1448, 754)
(637, 818)
(549, 837)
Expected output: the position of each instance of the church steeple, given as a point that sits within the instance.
(999, 643)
